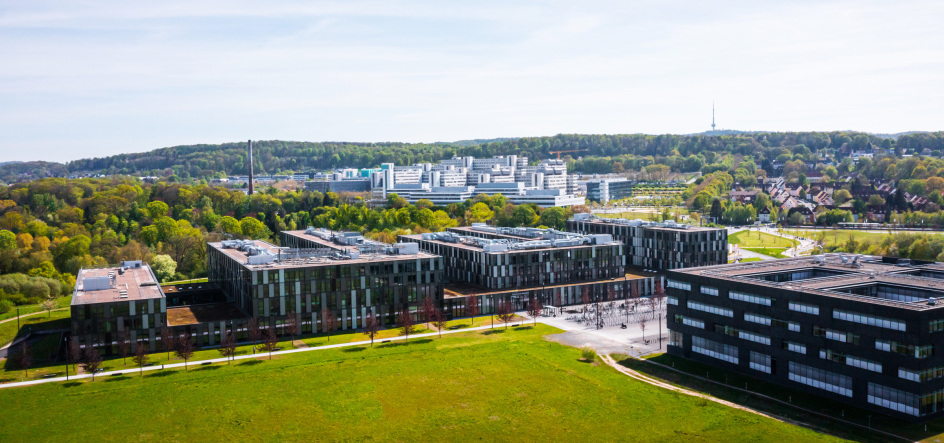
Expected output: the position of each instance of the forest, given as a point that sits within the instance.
(51, 228)
(594, 153)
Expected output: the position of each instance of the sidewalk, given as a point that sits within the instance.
(238, 357)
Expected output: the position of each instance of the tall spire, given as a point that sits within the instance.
(250, 167)
(712, 116)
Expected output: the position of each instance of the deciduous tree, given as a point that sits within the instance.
(535, 308)
(291, 325)
(124, 345)
(227, 345)
(184, 348)
(167, 340)
(505, 312)
(328, 322)
(141, 356)
(428, 309)
(406, 323)
(371, 327)
(440, 319)
(269, 341)
(24, 357)
(255, 334)
(91, 360)
(472, 308)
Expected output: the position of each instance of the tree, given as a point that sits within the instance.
(505, 312)
(291, 325)
(124, 345)
(7, 240)
(428, 309)
(472, 308)
(371, 327)
(227, 345)
(91, 360)
(524, 215)
(141, 357)
(167, 340)
(269, 341)
(157, 209)
(184, 348)
(406, 322)
(479, 213)
(48, 305)
(24, 357)
(440, 319)
(535, 308)
(254, 332)
(716, 210)
(642, 326)
(253, 228)
(230, 225)
(554, 217)
(75, 351)
(164, 267)
(328, 322)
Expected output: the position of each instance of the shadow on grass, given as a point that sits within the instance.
(7, 380)
(251, 363)
(71, 384)
(523, 328)
(207, 368)
(454, 327)
(117, 377)
(354, 349)
(161, 373)
(493, 331)
(410, 342)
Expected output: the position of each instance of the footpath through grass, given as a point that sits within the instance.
(475, 386)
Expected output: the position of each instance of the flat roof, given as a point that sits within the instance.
(132, 284)
(468, 230)
(213, 312)
(647, 224)
(509, 251)
(288, 262)
(314, 238)
(850, 270)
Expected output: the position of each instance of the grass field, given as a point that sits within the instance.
(749, 259)
(757, 239)
(61, 302)
(53, 320)
(477, 386)
(773, 252)
(841, 236)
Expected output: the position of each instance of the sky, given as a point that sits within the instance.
(89, 79)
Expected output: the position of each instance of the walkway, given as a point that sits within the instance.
(238, 357)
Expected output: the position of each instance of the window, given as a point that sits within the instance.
(893, 399)
(855, 317)
(756, 338)
(709, 290)
(710, 309)
(678, 285)
(921, 376)
(688, 321)
(760, 362)
(804, 308)
(794, 347)
(675, 338)
(905, 349)
(850, 360)
(936, 325)
(750, 298)
(671, 300)
(820, 379)
(754, 318)
(841, 336)
(714, 349)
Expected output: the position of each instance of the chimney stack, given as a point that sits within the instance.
(250, 168)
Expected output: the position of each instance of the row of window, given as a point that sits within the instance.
(761, 362)
(840, 336)
(710, 309)
(893, 399)
(821, 379)
(678, 285)
(749, 298)
(921, 376)
(714, 349)
(855, 317)
(850, 360)
(688, 321)
(905, 349)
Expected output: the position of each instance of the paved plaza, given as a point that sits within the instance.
(582, 329)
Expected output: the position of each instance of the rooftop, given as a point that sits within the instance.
(885, 281)
(257, 254)
(549, 239)
(459, 289)
(667, 226)
(130, 281)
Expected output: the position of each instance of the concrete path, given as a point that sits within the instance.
(197, 363)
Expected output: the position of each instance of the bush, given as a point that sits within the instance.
(588, 354)
(5, 306)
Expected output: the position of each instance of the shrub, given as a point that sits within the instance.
(588, 354)
(5, 306)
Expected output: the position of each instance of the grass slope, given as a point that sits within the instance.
(757, 239)
(507, 385)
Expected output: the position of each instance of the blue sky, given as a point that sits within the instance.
(89, 79)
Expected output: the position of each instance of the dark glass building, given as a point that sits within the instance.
(862, 330)
(659, 246)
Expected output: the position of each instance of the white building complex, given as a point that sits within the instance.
(461, 178)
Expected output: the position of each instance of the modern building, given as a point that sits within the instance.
(461, 178)
(861, 330)
(344, 273)
(339, 185)
(522, 264)
(117, 303)
(606, 189)
(659, 246)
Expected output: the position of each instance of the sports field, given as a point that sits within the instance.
(493, 385)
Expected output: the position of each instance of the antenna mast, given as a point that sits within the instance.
(712, 116)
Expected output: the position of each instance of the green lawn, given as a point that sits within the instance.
(757, 239)
(53, 320)
(773, 252)
(61, 302)
(841, 236)
(749, 259)
(476, 386)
